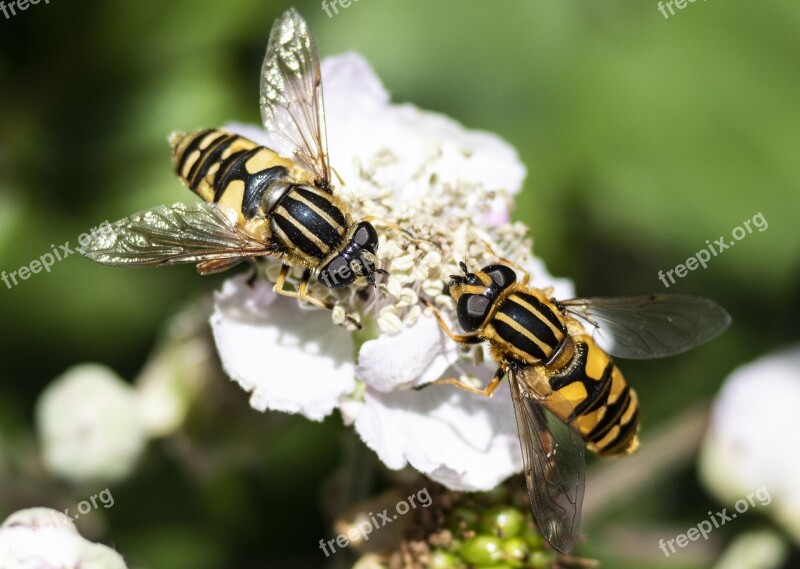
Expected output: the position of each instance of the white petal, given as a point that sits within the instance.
(464, 441)
(416, 355)
(89, 425)
(37, 518)
(754, 549)
(351, 85)
(290, 359)
(362, 126)
(42, 538)
(747, 448)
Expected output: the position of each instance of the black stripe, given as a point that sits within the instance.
(623, 437)
(529, 321)
(574, 371)
(300, 241)
(596, 392)
(517, 339)
(311, 220)
(256, 185)
(611, 416)
(193, 145)
(543, 309)
(324, 204)
(211, 156)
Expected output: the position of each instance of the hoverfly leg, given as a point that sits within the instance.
(338, 177)
(487, 391)
(460, 338)
(302, 295)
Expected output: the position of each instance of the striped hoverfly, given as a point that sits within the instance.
(258, 201)
(567, 392)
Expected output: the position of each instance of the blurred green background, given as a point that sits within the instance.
(643, 138)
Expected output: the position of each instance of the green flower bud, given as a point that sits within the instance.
(502, 521)
(540, 560)
(443, 560)
(515, 551)
(482, 550)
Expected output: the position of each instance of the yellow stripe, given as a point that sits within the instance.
(557, 331)
(574, 392)
(190, 161)
(283, 237)
(472, 289)
(632, 405)
(502, 317)
(315, 190)
(484, 278)
(610, 437)
(310, 236)
(339, 228)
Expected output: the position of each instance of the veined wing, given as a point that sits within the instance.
(652, 325)
(167, 235)
(554, 464)
(291, 95)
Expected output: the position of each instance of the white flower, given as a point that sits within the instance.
(452, 188)
(41, 538)
(750, 446)
(289, 360)
(89, 425)
(760, 549)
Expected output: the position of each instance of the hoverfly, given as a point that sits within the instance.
(258, 202)
(567, 391)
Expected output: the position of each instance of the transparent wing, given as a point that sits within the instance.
(167, 235)
(291, 95)
(650, 326)
(554, 464)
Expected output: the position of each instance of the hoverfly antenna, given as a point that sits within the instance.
(463, 265)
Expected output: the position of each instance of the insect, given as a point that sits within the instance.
(259, 202)
(568, 394)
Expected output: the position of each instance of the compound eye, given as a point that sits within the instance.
(361, 236)
(337, 266)
(477, 306)
(337, 274)
(501, 275)
(366, 237)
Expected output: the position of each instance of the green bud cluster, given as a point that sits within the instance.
(492, 529)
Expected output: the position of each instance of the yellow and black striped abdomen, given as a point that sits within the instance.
(525, 327)
(309, 221)
(228, 169)
(605, 405)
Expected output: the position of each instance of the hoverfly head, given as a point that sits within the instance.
(357, 263)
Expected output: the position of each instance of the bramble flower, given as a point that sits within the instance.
(93, 426)
(41, 538)
(452, 188)
(89, 425)
(746, 450)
